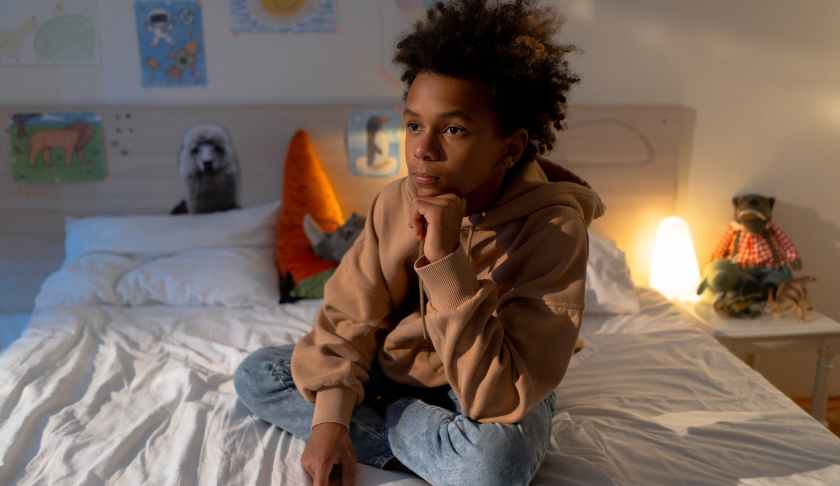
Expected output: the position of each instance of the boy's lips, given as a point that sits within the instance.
(424, 179)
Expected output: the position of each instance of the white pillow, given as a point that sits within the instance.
(152, 236)
(230, 277)
(91, 279)
(609, 287)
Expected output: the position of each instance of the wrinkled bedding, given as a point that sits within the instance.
(105, 394)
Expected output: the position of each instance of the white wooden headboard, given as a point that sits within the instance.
(631, 154)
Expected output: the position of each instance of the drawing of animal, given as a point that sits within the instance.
(72, 140)
(11, 42)
(21, 119)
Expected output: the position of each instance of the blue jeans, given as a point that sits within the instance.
(422, 427)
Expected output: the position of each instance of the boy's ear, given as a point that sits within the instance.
(517, 144)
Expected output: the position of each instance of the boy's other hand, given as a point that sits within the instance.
(438, 220)
(329, 445)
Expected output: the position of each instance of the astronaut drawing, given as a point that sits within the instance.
(160, 24)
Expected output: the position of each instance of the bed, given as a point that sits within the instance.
(124, 374)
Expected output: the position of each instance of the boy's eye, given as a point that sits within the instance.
(412, 127)
(454, 130)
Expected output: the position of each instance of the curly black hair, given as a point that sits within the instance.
(506, 46)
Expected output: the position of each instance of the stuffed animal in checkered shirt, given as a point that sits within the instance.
(752, 259)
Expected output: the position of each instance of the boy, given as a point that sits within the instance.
(449, 323)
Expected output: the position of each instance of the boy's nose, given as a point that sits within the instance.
(427, 149)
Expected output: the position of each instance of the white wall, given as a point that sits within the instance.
(763, 76)
(245, 68)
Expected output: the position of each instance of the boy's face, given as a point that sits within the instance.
(452, 140)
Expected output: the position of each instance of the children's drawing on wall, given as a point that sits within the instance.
(410, 7)
(171, 40)
(57, 147)
(373, 143)
(49, 32)
(397, 16)
(282, 16)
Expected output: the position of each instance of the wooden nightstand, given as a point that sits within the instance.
(748, 337)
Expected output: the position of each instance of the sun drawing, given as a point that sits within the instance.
(282, 8)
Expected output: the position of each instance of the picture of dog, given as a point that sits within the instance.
(209, 166)
(71, 140)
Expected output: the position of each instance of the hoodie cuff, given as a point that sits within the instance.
(450, 281)
(334, 405)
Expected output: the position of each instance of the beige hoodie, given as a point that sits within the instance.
(503, 310)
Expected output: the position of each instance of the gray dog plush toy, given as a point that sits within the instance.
(208, 164)
(752, 259)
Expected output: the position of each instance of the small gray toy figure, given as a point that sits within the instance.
(333, 246)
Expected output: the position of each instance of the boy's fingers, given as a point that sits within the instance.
(436, 203)
(444, 200)
(426, 208)
(419, 225)
(322, 475)
(450, 196)
(348, 472)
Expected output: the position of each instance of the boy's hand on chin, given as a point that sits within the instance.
(438, 220)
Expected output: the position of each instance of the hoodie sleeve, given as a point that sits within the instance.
(330, 364)
(502, 355)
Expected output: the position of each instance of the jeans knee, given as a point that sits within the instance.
(485, 454)
(501, 456)
(264, 371)
(447, 448)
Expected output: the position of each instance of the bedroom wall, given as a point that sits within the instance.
(345, 66)
(762, 75)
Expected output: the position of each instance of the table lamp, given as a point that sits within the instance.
(674, 272)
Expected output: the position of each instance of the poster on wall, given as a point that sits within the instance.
(57, 147)
(374, 142)
(171, 41)
(397, 17)
(282, 16)
(49, 32)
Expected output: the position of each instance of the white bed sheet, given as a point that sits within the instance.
(144, 395)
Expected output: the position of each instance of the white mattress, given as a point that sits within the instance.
(144, 395)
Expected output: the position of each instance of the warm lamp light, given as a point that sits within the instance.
(674, 271)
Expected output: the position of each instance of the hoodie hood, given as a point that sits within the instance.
(535, 185)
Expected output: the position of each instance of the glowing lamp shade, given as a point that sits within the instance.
(673, 269)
